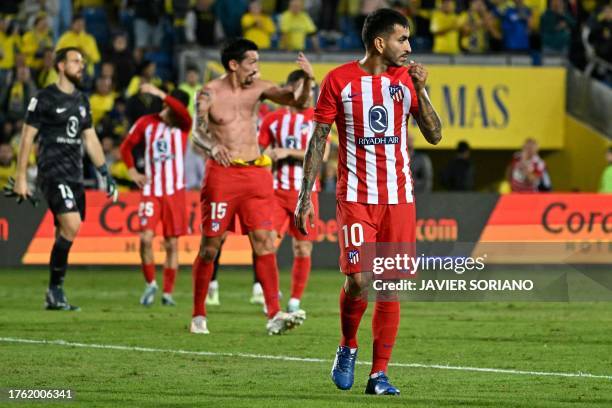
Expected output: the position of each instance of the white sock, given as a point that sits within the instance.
(152, 283)
(257, 289)
(375, 375)
(294, 303)
(214, 285)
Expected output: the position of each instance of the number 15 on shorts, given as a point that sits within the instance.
(218, 210)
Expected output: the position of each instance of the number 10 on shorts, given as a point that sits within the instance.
(355, 233)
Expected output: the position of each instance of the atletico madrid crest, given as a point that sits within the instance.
(396, 92)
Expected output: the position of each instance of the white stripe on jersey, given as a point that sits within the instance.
(370, 150)
(178, 159)
(146, 190)
(157, 181)
(284, 170)
(297, 134)
(168, 170)
(404, 147)
(351, 147)
(390, 148)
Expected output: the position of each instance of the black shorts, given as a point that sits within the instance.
(64, 197)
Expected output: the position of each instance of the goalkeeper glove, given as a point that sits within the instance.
(111, 186)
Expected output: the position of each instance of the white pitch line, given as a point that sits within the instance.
(300, 359)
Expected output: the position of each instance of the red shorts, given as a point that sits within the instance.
(170, 210)
(360, 223)
(245, 191)
(284, 209)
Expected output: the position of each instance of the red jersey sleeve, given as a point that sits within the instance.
(134, 137)
(327, 104)
(180, 111)
(265, 131)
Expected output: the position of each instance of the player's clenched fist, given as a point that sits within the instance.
(419, 75)
(304, 215)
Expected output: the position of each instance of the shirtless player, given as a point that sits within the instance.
(238, 180)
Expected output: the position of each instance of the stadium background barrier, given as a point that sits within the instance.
(109, 234)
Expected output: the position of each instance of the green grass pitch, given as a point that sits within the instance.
(534, 337)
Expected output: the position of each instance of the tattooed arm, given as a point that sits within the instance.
(312, 165)
(427, 118)
(201, 135)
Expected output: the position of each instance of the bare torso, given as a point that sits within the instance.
(233, 116)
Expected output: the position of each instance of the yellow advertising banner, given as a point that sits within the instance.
(489, 107)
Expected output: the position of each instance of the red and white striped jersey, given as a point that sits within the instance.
(164, 151)
(371, 113)
(285, 129)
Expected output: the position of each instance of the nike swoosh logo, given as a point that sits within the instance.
(60, 110)
(351, 96)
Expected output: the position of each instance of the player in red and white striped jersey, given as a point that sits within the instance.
(165, 137)
(284, 134)
(370, 101)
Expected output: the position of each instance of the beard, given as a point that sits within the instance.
(74, 78)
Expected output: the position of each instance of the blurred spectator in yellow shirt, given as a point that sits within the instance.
(257, 26)
(445, 26)
(35, 41)
(102, 100)
(296, 25)
(8, 164)
(479, 25)
(146, 74)
(47, 74)
(191, 86)
(10, 44)
(78, 37)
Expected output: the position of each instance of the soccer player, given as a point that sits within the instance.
(165, 136)
(370, 101)
(284, 135)
(60, 118)
(238, 180)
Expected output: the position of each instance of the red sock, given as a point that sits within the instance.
(169, 278)
(267, 274)
(385, 323)
(299, 276)
(351, 312)
(201, 273)
(148, 270)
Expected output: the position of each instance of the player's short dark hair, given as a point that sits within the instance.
(235, 49)
(182, 96)
(381, 23)
(463, 147)
(77, 17)
(192, 68)
(62, 54)
(295, 76)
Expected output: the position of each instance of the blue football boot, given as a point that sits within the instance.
(380, 385)
(343, 370)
